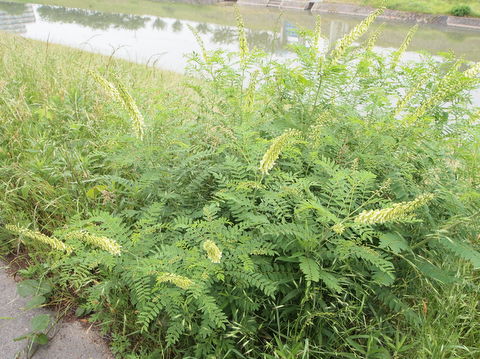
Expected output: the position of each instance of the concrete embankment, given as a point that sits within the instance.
(69, 339)
(356, 10)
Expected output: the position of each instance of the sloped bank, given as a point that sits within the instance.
(356, 10)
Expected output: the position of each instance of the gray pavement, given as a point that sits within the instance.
(71, 340)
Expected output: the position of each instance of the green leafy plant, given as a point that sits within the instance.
(298, 208)
(39, 325)
(461, 10)
(38, 293)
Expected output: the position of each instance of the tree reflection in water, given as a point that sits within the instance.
(269, 41)
(93, 19)
(159, 24)
(203, 28)
(177, 26)
(265, 40)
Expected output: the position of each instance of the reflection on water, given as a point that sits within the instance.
(164, 40)
(137, 38)
(92, 19)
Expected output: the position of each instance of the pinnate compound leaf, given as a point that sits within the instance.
(434, 272)
(462, 250)
(331, 282)
(393, 241)
(383, 279)
(310, 269)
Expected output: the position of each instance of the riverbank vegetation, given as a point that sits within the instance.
(165, 8)
(324, 207)
(436, 7)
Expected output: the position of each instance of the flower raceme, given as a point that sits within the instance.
(107, 244)
(117, 91)
(399, 212)
(242, 38)
(40, 237)
(178, 280)
(273, 152)
(213, 252)
(344, 43)
(473, 71)
(398, 54)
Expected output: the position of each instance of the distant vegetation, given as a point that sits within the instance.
(461, 10)
(446, 7)
(326, 207)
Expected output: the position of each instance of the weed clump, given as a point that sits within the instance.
(282, 209)
(461, 10)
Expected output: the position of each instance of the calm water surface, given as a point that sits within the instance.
(164, 41)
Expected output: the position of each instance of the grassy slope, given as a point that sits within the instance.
(40, 81)
(14, 48)
(55, 71)
(422, 6)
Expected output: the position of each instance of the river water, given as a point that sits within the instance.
(165, 40)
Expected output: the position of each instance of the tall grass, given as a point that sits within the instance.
(59, 158)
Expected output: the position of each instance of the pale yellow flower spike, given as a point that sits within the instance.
(107, 244)
(178, 280)
(473, 71)
(372, 40)
(397, 213)
(338, 228)
(447, 85)
(406, 42)
(40, 237)
(272, 154)
(213, 252)
(138, 123)
(242, 38)
(199, 42)
(108, 87)
(345, 42)
(119, 93)
(317, 34)
(419, 85)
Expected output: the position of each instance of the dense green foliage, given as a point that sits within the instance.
(326, 206)
(461, 10)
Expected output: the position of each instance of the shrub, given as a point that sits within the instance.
(300, 209)
(461, 10)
